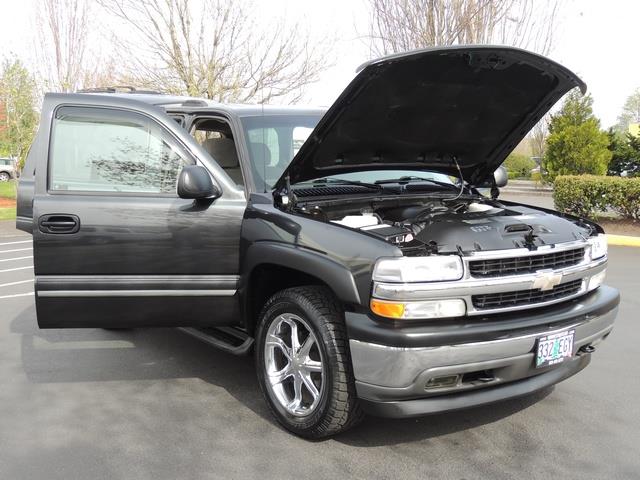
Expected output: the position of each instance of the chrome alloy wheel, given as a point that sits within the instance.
(293, 364)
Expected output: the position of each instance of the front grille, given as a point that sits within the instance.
(525, 297)
(500, 267)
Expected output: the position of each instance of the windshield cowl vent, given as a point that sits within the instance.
(332, 190)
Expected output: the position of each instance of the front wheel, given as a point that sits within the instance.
(4, 177)
(303, 363)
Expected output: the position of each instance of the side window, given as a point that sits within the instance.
(108, 150)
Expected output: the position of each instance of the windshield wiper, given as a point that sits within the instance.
(416, 179)
(340, 181)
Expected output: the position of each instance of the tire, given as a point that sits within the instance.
(322, 358)
(4, 177)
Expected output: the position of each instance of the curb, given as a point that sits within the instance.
(623, 240)
(521, 192)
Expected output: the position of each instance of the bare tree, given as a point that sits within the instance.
(62, 40)
(66, 45)
(630, 112)
(216, 49)
(401, 25)
(538, 137)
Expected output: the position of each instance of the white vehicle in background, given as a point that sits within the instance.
(8, 169)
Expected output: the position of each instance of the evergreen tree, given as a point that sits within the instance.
(626, 154)
(575, 144)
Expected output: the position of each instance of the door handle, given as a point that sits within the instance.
(59, 223)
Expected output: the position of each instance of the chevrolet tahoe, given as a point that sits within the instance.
(361, 253)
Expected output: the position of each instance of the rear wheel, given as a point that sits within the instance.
(303, 363)
(4, 177)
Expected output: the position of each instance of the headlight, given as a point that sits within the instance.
(598, 246)
(418, 269)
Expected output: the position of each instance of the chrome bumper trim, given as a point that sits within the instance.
(408, 369)
(416, 407)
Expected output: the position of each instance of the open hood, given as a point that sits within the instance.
(428, 109)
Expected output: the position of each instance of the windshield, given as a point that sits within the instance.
(274, 140)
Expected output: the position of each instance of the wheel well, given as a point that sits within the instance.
(266, 280)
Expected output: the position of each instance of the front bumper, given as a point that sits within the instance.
(393, 364)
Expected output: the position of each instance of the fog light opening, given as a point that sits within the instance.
(445, 381)
(479, 376)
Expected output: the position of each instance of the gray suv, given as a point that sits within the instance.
(7, 169)
(362, 266)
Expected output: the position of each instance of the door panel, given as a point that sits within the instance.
(133, 236)
(114, 246)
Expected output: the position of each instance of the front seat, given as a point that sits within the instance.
(223, 151)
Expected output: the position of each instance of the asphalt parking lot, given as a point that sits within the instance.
(156, 404)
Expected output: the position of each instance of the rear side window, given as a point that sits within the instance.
(107, 150)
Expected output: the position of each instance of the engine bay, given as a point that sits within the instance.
(424, 226)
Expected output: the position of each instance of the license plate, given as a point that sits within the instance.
(553, 349)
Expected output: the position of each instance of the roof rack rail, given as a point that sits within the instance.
(117, 89)
(194, 102)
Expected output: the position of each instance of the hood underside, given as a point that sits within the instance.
(428, 109)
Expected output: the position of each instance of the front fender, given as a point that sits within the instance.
(336, 276)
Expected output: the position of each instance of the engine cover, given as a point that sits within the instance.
(513, 228)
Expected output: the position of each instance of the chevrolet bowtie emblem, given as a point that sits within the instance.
(547, 280)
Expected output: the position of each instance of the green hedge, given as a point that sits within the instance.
(587, 195)
(518, 165)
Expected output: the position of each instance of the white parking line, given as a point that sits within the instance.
(14, 269)
(17, 295)
(17, 258)
(15, 250)
(16, 283)
(15, 243)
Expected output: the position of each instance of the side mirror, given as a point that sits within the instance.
(501, 177)
(195, 182)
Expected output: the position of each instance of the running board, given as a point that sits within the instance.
(230, 339)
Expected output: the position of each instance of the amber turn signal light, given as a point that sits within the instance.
(387, 309)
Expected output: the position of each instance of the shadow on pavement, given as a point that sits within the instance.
(96, 355)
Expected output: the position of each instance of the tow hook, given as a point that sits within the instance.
(586, 349)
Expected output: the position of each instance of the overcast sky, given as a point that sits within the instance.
(599, 40)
